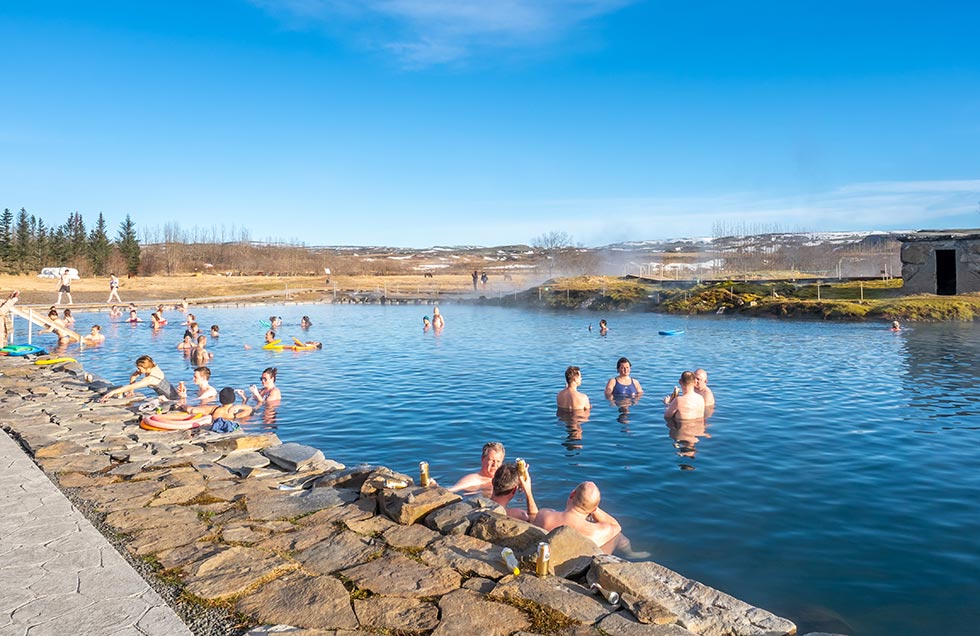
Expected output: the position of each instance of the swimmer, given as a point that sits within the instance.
(269, 392)
(95, 337)
(896, 326)
(68, 319)
(153, 378)
(199, 355)
(186, 344)
(437, 320)
(603, 327)
(275, 322)
(426, 323)
(623, 385)
(226, 409)
(490, 461)
(686, 405)
(57, 327)
(133, 318)
(192, 330)
(270, 336)
(214, 331)
(306, 323)
(115, 311)
(190, 320)
(505, 482)
(701, 386)
(582, 513)
(569, 398)
(205, 392)
(157, 318)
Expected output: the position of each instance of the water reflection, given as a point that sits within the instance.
(686, 434)
(623, 405)
(573, 421)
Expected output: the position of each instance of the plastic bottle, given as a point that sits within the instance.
(510, 560)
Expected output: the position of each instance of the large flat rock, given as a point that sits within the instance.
(340, 550)
(408, 505)
(563, 596)
(301, 600)
(394, 614)
(622, 624)
(289, 504)
(467, 555)
(153, 540)
(467, 612)
(294, 457)
(698, 607)
(121, 495)
(240, 442)
(144, 518)
(571, 551)
(232, 572)
(397, 575)
(501, 530)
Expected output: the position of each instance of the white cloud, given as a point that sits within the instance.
(432, 32)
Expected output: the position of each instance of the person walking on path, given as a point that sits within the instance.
(113, 289)
(64, 285)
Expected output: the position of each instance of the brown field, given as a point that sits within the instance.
(198, 289)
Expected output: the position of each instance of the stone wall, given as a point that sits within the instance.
(919, 264)
(298, 542)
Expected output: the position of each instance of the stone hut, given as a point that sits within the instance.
(943, 262)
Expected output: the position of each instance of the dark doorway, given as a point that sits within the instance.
(946, 272)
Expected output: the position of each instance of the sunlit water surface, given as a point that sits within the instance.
(837, 483)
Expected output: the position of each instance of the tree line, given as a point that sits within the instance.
(27, 245)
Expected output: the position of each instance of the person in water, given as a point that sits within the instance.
(215, 331)
(569, 398)
(115, 311)
(94, 337)
(199, 354)
(57, 327)
(269, 393)
(227, 408)
(505, 482)
(438, 321)
(490, 461)
(153, 378)
(205, 392)
(305, 323)
(582, 512)
(686, 405)
(186, 344)
(68, 319)
(426, 323)
(133, 318)
(623, 385)
(701, 386)
(603, 327)
(896, 326)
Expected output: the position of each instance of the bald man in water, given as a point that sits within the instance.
(701, 386)
(689, 405)
(582, 513)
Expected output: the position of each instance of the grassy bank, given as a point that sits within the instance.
(850, 300)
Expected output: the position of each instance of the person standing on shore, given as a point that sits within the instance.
(113, 289)
(64, 286)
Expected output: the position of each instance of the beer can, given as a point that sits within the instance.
(522, 467)
(423, 474)
(544, 557)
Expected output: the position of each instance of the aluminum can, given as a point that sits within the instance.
(543, 562)
(424, 474)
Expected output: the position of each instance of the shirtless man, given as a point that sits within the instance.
(505, 484)
(64, 285)
(582, 513)
(200, 355)
(569, 399)
(701, 386)
(492, 458)
(205, 392)
(689, 405)
(94, 337)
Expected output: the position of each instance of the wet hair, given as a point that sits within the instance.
(145, 362)
(226, 396)
(202, 339)
(271, 371)
(53, 312)
(307, 320)
(67, 312)
(505, 480)
(271, 334)
(622, 360)
(492, 446)
(97, 327)
(687, 378)
(571, 373)
(602, 323)
(215, 328)
(205, 371)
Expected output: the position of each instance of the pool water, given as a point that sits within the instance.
(836, 484)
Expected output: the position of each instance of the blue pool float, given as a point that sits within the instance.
(23, 350)
(671, 332)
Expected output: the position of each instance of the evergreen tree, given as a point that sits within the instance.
(22, 241)
(42, 247)
(76, 239)
(99, 248)
(6, 236)
(129, 246)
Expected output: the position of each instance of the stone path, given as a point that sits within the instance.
(58, 575)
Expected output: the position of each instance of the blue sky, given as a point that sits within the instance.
(464, 122)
